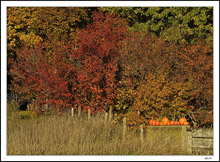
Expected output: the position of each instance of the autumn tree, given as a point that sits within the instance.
(44, 79)
(168, 80)
(27, 26)
(97, 57)
(79, 72)
(162, 67)
(196, 62)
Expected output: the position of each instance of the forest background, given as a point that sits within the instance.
(142, 62)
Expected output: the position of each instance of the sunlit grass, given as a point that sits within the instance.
(66, 135)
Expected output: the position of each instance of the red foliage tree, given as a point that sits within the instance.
(97, 57)
(196, 62)
(40, 77)
(82, 73)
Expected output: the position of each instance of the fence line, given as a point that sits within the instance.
(192, 141)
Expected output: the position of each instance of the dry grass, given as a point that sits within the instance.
(66, 135)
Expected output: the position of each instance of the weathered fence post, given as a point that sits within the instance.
(72, 111)
(106, 116)
(79, 110)
(89, 114)
(110, 113)
(189, 133)
(142, 134)
(184, 139)
(124, 128)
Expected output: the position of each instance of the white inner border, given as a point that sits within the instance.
(5, 4)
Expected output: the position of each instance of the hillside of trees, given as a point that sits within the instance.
(142, 62)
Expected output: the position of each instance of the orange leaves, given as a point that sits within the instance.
(167, 77)
(134, 119)
(105, 65)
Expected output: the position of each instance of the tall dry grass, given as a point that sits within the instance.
(66, 135)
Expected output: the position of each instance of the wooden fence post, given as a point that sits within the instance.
(184, 139)
(89, 114)
(142, 134)
(189, 132)
(72, 111)
(106, 116)
(79, 110)
(124, 128)
(110, 113)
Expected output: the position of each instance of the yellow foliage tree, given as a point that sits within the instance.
(25, 24)
(160, 96)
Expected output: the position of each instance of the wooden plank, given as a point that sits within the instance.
(184, 139)
(202, 132)
(165, 134)
(189, 136)
(202, 151)
(202, 142)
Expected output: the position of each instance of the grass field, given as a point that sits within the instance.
(66, 135)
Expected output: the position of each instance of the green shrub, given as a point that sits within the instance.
(26, 114)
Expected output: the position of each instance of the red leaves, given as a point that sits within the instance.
(67, 73)
(42, 77)
(98, 53)
(64, 75)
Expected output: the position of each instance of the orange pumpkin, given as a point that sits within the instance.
(165, 121)
(182, 120)
(186, 123)
(157, 123)
(172, 123)
(161, 124)
(151, 122)
(168, 124)
(176, 123)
